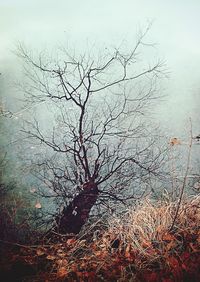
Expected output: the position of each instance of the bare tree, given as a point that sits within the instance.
(101, 147)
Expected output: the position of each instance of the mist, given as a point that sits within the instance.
(175, 28)
(99, 145)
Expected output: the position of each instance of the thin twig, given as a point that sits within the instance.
(184, 180)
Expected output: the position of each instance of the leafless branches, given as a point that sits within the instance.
(102, 132)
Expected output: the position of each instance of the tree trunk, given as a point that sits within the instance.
(75, 215)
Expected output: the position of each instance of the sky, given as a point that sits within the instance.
(176, 30)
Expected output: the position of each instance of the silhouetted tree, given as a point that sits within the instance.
(102, 146)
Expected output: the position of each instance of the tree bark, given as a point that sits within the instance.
(75, 215)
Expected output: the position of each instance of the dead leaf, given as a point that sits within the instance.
(146, 244)
(32, 190)
(60, 253)
(38, 205)
(62, 271)
(50, 257)
(40, 251)
(168, 237)
(61, 262)
(127, 251)
(174, 141)
(71, 241)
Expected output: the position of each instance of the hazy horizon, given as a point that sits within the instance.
(49, 24)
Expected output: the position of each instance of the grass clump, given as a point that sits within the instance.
(136, 246)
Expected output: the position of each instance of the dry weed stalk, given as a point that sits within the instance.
(184, 179)
(126, 247)
(149, 222)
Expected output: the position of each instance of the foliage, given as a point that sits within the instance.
(15, 205)
(135, 247)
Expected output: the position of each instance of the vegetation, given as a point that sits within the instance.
(103, 205)
(100, 151)
(137, 246)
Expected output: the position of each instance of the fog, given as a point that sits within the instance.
(49, 24)
(103, 159)
(82, 25)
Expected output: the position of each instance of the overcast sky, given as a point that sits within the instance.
(176, 30)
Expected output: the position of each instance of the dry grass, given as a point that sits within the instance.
(134, 247)
(150, 221)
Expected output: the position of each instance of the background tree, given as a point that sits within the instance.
(101, 150)
(16, 212)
